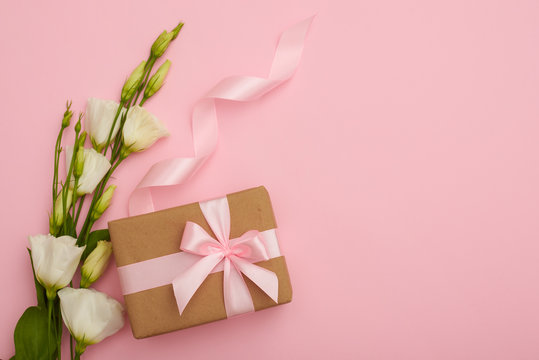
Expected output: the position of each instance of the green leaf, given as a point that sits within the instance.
(40, 290)
(31, 336)
(92, 240)
(12, 358)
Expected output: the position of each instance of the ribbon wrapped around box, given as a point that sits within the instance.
(200, 262)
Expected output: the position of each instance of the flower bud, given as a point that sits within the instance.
(176, 30)
(79, 163)
(56, 220)
(156, 81)
(96, 263)
(133, 82)
(160, 44)
(82, 140)
(103, 203)
(67, 116)
(78, 124)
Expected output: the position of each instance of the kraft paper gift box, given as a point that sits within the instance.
(139, 241)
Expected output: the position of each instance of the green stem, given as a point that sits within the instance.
(79, 350)
(76, 218)
(86, 232)
(75, 198)
(56, 161)
(88, 223)
(149, 65)
(118, 141)
(120, 106)
(82, 236)
(68, 182)
(59, 329)
(49, 320)
(71, 345)
(55, 174)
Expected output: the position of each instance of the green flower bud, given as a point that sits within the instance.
(103, 203)
(156, 81)
(160, 44)
(82, 140)
(67, 116)
(79, 163)
(133, 82)
(176, 30)
(96, 263)
(56, 220)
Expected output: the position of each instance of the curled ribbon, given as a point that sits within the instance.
(238, 256)
(204, 120)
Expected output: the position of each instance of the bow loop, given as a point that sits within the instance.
(238, 255)
(250, 246)
(197, 241)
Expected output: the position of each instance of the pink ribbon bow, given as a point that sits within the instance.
(238, 256)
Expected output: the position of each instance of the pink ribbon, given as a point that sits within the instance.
(238, 256)
(204, 120)
(162, 270)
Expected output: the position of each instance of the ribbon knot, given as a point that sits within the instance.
(229, 252)
(237, 255)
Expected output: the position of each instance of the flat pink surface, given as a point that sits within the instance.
(401, 160)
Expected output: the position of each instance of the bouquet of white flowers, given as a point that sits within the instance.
(115, 130)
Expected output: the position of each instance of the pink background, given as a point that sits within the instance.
(401, 160)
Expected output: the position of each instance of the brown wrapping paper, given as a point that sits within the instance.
(138, 238)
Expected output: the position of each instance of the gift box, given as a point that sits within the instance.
(200, 262)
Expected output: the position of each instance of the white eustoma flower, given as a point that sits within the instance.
(95, 167)
(90, 315)
(141, 130)
(55, 260)
(100, 116)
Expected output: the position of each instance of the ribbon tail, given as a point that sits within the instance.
(289, 49)
(263, 278)
(204, 120)
(236, 294)
(186, 284)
